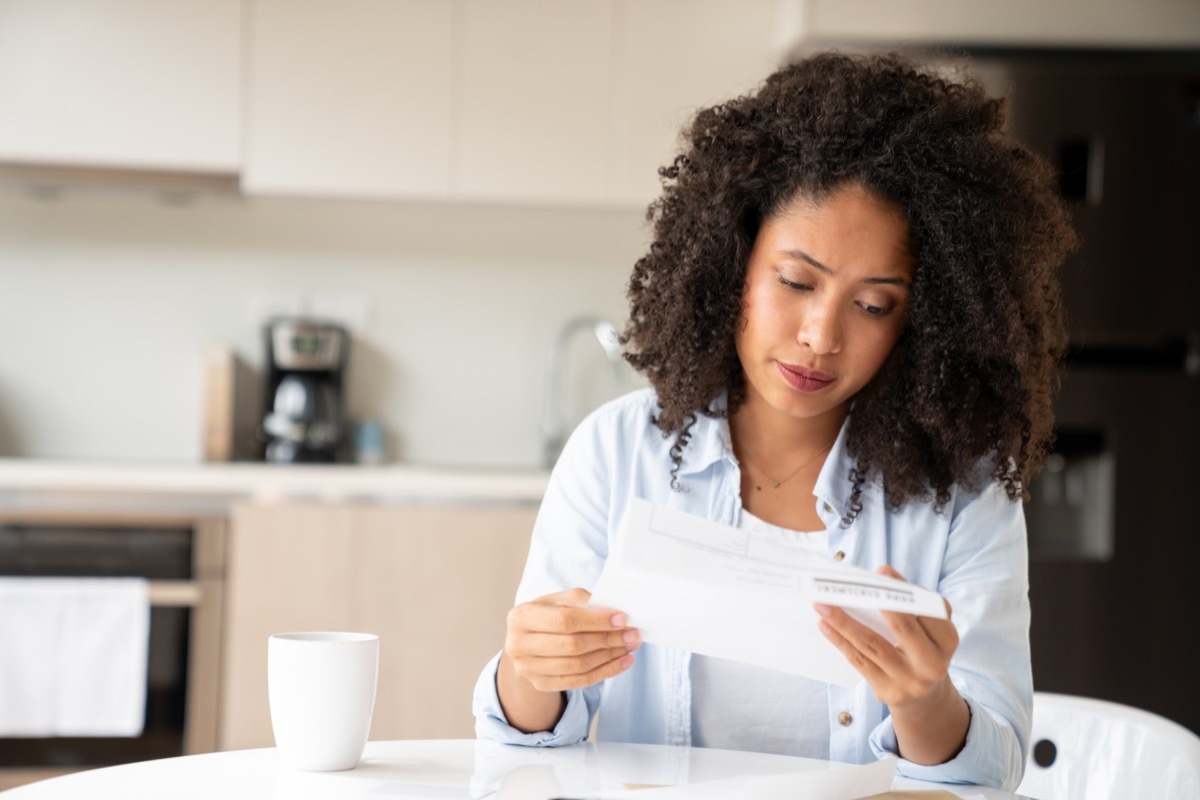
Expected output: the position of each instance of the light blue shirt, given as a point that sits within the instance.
(973, 553)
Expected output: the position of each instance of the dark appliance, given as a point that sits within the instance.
(1114, 532)
(304, 421)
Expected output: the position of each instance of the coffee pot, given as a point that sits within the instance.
(303, 420)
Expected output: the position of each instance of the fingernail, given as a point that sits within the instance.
(619, 620)
(626, 662)
(630, 636)
(823, 610)
(824, 626)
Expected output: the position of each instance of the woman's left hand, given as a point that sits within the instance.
(911, 677)
(905, 672)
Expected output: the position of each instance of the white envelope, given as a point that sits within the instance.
(697, 585)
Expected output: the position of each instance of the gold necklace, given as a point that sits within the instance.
(775, 484)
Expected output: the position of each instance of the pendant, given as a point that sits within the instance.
(774, 483)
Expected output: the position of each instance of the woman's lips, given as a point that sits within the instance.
(803, 379)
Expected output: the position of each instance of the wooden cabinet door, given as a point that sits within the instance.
(438, 582)
(288, 568)
(434, 582)
(349, 98)
(139, 84)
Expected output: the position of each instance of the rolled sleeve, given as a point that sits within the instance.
(490, 722)
(985, 759)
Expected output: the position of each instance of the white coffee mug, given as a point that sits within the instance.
(321, 689)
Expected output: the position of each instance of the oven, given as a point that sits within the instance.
(183, 560)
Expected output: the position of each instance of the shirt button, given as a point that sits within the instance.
(844, 719)
(829, 508)
(839, 555)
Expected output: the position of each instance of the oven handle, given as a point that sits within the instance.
(175, 594)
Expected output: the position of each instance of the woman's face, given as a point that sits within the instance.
(827, 287)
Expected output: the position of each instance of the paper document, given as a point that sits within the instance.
(697, 585)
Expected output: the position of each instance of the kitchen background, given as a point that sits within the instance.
(457, 180)
(514, 204)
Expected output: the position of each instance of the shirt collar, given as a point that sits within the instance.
(833, 483)
(711, 442)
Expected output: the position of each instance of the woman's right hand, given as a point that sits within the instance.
(556, 642)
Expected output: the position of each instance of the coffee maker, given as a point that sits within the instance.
(303, 419)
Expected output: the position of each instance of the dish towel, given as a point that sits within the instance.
(73, 656)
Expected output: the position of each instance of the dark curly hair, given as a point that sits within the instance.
(976, 368)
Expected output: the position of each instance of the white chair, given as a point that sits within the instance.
(1084, 749)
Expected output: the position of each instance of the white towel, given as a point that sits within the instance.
(73, 656)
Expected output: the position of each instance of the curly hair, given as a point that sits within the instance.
(975, 371)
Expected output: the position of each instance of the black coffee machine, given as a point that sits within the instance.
(303, 421)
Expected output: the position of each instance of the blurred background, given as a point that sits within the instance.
(458, 189)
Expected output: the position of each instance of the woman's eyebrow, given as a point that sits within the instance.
(800, 255)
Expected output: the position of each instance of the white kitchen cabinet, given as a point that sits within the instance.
(1019, 23)
(582, 102)
(349, 98)
(496, 101)
(141, 84)
(533, 95)
(477, 100)
(671, 57)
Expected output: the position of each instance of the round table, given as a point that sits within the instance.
(439, 769)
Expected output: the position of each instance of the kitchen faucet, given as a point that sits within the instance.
(553, 424)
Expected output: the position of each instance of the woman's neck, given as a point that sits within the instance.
(767, 435)
(781, 457)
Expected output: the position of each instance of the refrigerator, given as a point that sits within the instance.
(1114, 519)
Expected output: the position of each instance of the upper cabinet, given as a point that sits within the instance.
(140, 84)
(531, 101)
(538, 102)
(669, 58)
(349, 98)
(542, 102)
(1012, 23)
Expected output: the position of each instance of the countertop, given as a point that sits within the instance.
(202, 489)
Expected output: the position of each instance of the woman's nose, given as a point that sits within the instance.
(820, 330)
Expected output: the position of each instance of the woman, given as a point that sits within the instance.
(850, 318)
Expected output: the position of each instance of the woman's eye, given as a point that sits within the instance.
(800, 287)
(877, 311)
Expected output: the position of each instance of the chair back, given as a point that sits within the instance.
(1085, 749)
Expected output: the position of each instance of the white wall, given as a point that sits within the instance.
(108, 298)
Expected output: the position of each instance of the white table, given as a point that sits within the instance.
(440, 769)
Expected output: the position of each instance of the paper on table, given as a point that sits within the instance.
(697, 585)
(837, 782)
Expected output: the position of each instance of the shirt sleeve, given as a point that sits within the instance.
(985, 576)
(567, 550)
(490, 722)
